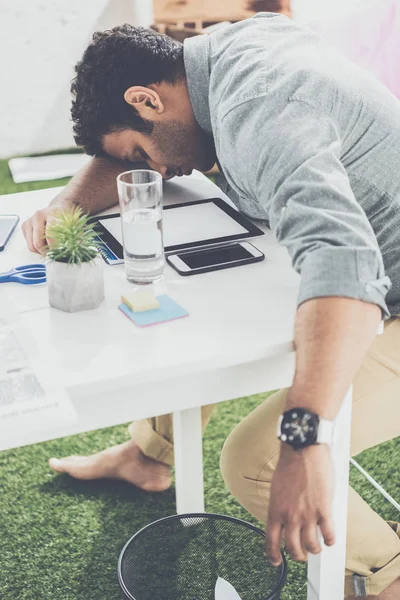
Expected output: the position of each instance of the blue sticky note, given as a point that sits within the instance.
(167, 311)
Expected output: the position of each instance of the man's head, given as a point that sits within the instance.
(130, 100)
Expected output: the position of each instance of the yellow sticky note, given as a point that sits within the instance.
(140, 300)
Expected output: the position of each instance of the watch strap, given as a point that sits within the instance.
(278, 428)
(325, 431)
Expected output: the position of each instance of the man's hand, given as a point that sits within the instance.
(93, 188)
(332, 337)
(301, 503)
(34, 229)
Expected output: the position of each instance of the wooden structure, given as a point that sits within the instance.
(186, 18)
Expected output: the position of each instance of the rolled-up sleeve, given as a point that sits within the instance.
(312, 209)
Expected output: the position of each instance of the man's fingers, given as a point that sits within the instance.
(28, 234)
(309, 539)
(293, 542)
(35, 229)
(273, 543)
(327, 530)
(39, 228)
(52, 218)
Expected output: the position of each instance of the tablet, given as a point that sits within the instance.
(185, 226)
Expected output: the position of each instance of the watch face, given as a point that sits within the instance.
(299, 428)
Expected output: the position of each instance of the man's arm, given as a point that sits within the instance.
(93, 188)
(332, 336)
(299, 176)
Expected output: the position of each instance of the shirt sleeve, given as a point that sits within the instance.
(305, 189)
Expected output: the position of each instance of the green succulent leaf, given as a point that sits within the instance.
(72, 238)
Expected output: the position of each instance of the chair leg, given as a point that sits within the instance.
(375, 484)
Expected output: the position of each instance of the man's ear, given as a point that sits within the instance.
(144, 100)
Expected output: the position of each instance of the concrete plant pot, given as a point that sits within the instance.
(75, 287)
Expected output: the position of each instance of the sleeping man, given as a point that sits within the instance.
(309, 143)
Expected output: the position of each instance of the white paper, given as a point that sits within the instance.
(28, 405)
(44, 168)
(225, 591)
(28, 402)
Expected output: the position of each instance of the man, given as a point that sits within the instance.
(310, 144)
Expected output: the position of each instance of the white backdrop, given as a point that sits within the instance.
(41, 40)
(310, 10)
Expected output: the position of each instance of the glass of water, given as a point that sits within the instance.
(140, 199)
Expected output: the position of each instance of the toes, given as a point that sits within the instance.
(56, 465)
(156, 485)
(73, 465)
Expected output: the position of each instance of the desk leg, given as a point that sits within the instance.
(188, 461)
(326, 571)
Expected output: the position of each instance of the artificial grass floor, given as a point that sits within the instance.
(60, 538)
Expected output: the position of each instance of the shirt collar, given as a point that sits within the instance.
(196, 58)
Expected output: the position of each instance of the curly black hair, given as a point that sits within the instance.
(115, 60)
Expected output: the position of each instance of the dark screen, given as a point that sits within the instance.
(208, 258)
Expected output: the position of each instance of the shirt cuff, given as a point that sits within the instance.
(340, 271)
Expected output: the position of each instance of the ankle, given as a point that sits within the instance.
(132, 450)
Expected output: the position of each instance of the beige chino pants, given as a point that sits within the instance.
(251, 453)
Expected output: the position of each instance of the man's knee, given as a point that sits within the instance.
(247, 474)
(232, 463)
(244, 466)
(251, 451)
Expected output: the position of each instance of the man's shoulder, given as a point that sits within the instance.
(268, 57)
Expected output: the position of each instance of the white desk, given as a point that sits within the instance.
(115, 372)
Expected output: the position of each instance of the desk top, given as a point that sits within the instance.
(237, 315)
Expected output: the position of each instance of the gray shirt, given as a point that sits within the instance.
(310, 143)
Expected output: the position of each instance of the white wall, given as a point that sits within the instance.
(40, 41)
(311, 10)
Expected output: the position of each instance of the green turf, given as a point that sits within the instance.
(60, 539)
(7, 185)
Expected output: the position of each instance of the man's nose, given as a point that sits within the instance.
(165, 172)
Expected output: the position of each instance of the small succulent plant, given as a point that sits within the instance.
(71, 238)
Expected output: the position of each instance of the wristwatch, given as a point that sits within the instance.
(300, 428)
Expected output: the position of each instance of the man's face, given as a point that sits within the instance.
(175, 147)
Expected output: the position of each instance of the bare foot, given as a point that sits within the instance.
(125, 461)
(391, 593)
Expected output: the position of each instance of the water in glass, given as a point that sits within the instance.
(143, 245)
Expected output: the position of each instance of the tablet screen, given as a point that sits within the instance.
(199, 222)
(187, 224)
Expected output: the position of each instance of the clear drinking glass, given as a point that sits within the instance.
(140, 199)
